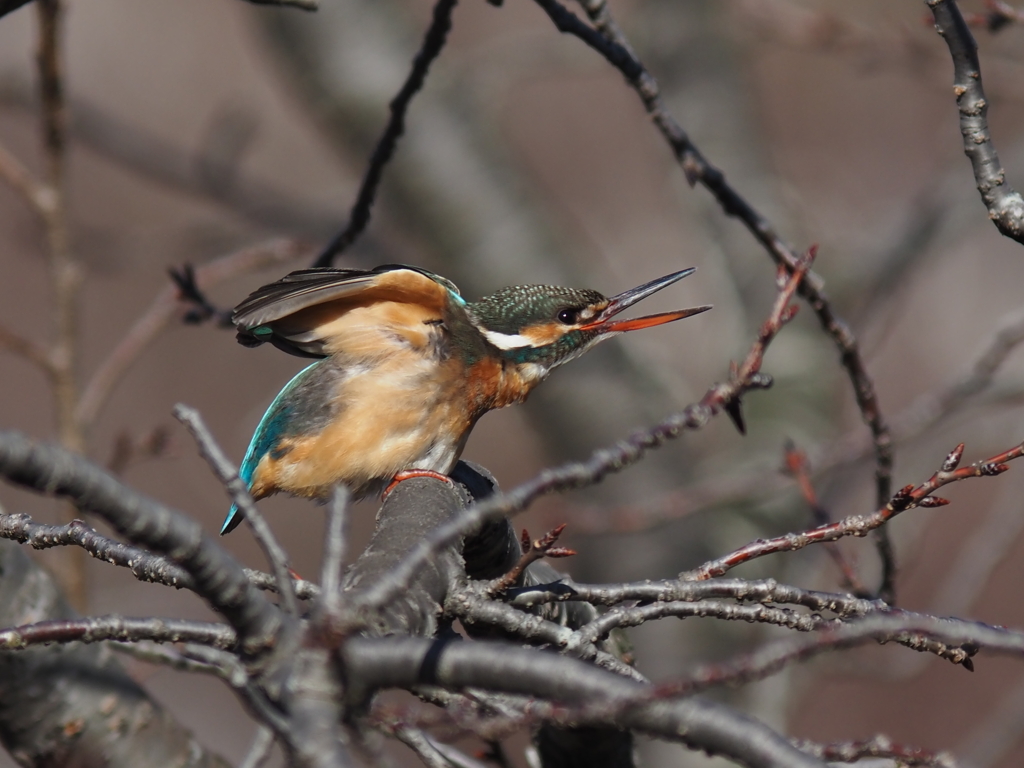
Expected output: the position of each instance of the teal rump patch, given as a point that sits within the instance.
(269, 431)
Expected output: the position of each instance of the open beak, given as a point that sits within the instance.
(616, 304)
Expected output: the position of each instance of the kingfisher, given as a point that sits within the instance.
(405, 367)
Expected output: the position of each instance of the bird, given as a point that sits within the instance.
(405, 367)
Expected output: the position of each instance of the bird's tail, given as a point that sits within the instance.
(232, 521)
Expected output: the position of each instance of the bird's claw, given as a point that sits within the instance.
(408, 474)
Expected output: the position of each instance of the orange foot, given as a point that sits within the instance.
(407, 474)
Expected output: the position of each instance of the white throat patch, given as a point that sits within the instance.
(507, 340)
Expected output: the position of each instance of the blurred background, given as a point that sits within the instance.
(200, 129)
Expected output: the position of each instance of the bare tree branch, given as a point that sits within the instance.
(218, 578)
(712, 727)
(1005, 205)
(359, 216)
(909, 497)
(881, 747)
(124, 629)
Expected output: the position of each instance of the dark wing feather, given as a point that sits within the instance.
(270, 314)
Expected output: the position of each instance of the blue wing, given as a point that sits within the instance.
(276, 423)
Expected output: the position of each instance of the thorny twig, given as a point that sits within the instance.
(359, 216)
(607, 39)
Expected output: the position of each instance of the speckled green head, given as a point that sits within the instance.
(549, 325)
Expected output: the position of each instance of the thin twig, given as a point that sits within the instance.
(798, 467)
(27, 349)
(145, 566)
(334, 551)
(608, 40)
(36, 194)
(217, 578)
(239, 493)
(880, 747)
(359, 216)
(1005, 205)
(533, 550)
(860, 525)
(122, 628)
(258, 753)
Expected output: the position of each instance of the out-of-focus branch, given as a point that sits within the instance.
(36, 194)
(165, 307)
(65, 271)
(359, 216)
(61, 705)
(798, 467)
(27, 349)
(217, 578)
(1005, 205)
(129, 145)
(6, 6)
(305, 5)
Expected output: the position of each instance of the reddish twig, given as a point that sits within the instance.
(27, 349)
(533, 550)
(878, 747)
(122, 628)
(860, 525)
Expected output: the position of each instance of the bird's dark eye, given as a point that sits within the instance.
(568, 316)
